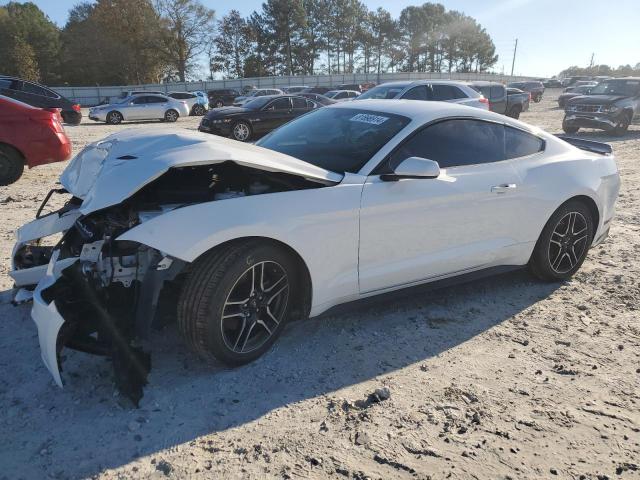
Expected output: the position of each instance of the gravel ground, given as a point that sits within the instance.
(500, 378)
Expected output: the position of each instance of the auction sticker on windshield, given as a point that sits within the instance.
(368, 118)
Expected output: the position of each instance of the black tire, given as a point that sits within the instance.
(537, 98)
(11, 165)
(515, 112)
(564, 243)
(211, 325)
(171, 115)
(241, 131)
(622, 125)
(114, 118)
(569, 129)
(198, 110)
(219, 104)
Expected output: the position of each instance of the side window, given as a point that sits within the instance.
(280, 104)
(34, 89)
(299, 103)
(139, 100)
(521, 144)
(417, 93)
(454, 143)
(353, 94)
(446, 92)
(9, 83)
(155, 100)
(310, 104)
(497, 92)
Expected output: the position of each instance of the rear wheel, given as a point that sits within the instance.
(622, 125)
(515, 112)
(564, 242)
(236, 301)
(114, 118)
(171, 116)
(219, 104)
(537, 98)
(198, 110)
(11, 165)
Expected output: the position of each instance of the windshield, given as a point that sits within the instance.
(382, 92)
(627, 88)
(337, 139)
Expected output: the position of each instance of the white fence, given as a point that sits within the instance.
(89, 96)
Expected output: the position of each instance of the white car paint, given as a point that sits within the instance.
(359, 236)
(137, 108)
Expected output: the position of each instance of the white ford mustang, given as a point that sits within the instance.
(349, 201)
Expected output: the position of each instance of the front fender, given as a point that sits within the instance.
(320, 224)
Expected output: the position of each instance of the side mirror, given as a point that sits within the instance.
(413, 167)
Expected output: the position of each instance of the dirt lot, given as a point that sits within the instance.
(501, 378)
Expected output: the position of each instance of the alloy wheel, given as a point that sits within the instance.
(568, 242)
(219, 104)
(241, 132)
(255, 307)
(171, 116)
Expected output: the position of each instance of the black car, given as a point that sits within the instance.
(40, 96)
(257, 117)
(321, 99)
(552, 83)
(535, 88)
(320, 90)
(350, 86)
(612, 105)
(222, 97)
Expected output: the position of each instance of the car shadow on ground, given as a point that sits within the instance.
(602, 136)
(44, 427)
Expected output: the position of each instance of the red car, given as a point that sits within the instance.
(29, 136)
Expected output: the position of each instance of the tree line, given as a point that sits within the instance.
(124, 42)
(602, 70)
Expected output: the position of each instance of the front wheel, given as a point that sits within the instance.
(241, 132)
(571, 130)
(114, 118)
(236, 301)
(564, 243)
(219, 104)
(11, 165)
(198, 110)
(622, 125)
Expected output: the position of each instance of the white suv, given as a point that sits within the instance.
(429, 90)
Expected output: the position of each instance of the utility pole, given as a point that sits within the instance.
(591, 63)
(513, 64)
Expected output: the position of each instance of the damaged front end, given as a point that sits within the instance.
(97, 294)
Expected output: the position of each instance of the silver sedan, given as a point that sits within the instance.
(140, 107)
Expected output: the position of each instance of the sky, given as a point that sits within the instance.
(552, 34)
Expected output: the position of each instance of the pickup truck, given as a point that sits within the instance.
(536, 89)
(507, 101)
(612, 105)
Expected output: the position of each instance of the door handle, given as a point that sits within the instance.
(504, 188)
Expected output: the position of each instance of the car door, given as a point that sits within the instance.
(300, 106)
(415, 230)
(155, 107)
(135, 109)
(277, 112)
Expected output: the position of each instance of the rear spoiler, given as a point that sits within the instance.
(588, 145)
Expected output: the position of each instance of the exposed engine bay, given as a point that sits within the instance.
(107, 294)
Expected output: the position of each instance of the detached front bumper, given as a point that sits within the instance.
(48, 320)
(595, 120)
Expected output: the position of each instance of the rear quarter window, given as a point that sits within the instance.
(447, 92)
(521, 144)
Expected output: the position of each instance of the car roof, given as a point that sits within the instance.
(485, 83)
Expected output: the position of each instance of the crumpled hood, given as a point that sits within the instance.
(108, 172)
(595, 99)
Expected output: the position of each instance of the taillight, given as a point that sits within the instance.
(529, 96)
(484, 100)
(56, 125)
(76, 107)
